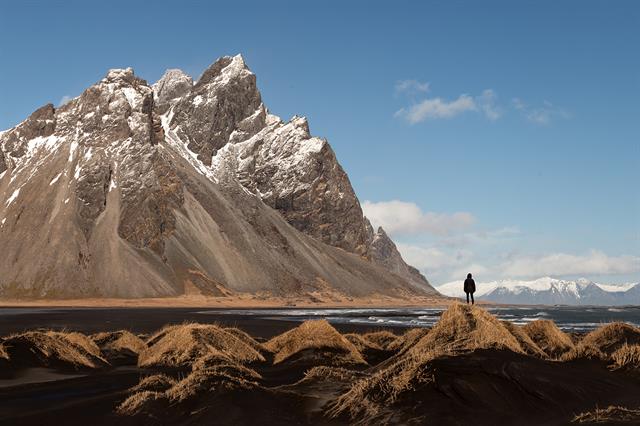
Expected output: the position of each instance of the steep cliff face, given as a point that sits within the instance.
(132, 190)
(289, 169)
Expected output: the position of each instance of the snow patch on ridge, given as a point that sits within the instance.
(13, 196)
(172, 139)
(55, 179)
(132, 96)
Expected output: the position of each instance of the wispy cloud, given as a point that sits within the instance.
(402, 218)
(443, 264)
(411, 87)
(436, 108)
(432, 259)
(542, 115)
(592, 263)
(487, 102)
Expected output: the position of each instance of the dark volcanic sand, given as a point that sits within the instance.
(145, 320)
(483, 388)
(94, 395)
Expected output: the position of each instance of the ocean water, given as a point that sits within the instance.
(575, 319)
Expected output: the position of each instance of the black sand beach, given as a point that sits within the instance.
(470, 367)
(146, 320)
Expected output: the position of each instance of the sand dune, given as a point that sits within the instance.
(470, 368)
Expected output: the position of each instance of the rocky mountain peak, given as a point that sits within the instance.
(150, 190)
(116, 74)
(224, 70)
(172, 85)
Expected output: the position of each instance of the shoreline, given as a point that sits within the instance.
(237, 302)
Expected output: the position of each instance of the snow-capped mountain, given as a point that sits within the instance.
(139, 190)
(550, 291)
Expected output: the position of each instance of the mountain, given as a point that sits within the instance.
(550, 291)
(139, 190)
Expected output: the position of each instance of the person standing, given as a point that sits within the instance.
(469, 288)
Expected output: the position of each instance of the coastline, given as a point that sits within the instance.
(238, 302)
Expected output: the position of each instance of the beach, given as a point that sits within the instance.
(316, 365)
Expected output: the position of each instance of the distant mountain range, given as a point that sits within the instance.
(550, 291)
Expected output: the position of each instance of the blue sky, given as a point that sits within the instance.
(500, 138)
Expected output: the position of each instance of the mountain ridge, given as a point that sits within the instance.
(138, 190)
(551, 291)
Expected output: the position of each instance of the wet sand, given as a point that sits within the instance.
(145, 320)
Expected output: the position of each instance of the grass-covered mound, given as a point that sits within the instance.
(118, 346)
(553, 341)
(154, 383)
(182, 345)
(373, 350)
(462, 328)
(211, 378)
(610, 337)
(315, 342)
(609, 415)
(583, 351)
(381, 338)
(406, 340)
(54, 349)
(245, 338)
(627, 357)
(526, 343)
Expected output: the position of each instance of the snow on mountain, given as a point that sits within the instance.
(139, 190)
(550, 291)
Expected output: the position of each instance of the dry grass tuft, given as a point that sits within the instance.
(245, 338)
(408, 339)
(221, 363)
(157, 393)
(52, 349)
(611, 414)
(467, 328)
(141, 402)
(317, 337)
(119, 343)
(627, 356)
(611, 337)
(381, 338)
(182, 345)
(553, 341)
(462, 328)
(331, 374)
(527, 345)
(361, 343)
(155, 383)
(209, 380)
(78, 339)
(3, 352)
(584, 351)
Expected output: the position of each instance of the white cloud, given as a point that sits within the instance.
(400, 217)
(493, 236)
(437, 108)
(64, 100)
(411, 87)
(518, 104)
(474, 268)
(425, 258)
(562, 264)
(487, 103)
(542, 115)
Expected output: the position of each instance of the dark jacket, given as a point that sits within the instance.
(469, 285)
